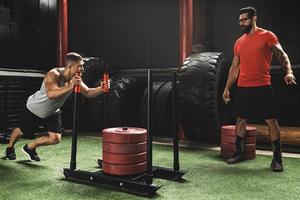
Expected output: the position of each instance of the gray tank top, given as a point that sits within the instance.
(43, 107)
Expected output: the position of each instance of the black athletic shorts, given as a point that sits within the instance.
(30, 123)
(256, 101)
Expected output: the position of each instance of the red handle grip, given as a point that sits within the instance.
(77, 87)
(105, 87)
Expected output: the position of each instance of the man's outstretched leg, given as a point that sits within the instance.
(240, 142)
(30, 149)
(10, 150)
(274, 131)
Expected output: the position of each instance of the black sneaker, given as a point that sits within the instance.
(31, 153)
(10, 154)
(276, 166)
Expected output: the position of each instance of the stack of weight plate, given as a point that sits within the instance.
(228, 137)
(124, 150)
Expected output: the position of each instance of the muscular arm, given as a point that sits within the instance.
(232, 76)
(233, 72)
(90, 92)
(285, 64)
(283, 58)
(51, 83)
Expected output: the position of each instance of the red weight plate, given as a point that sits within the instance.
(250, 147)
(251, 132)
(231, 139)
(124, 135)
(229, 154)
(232, 147)
(230, 130)
(250, 155)
(120, 170)
(228, 139)
(114, 158)
(251, 140)
(124, 148)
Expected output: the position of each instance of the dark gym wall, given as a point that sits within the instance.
(135, 33)
(28, 34)
(281, 17)
(126, 34)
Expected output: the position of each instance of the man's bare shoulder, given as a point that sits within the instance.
(53, 74)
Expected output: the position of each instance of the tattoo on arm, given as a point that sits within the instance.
(282, 57)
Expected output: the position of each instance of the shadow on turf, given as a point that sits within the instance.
(5, 169)
(241, 168)
(8, 171)
(28, 163)
(103, 188)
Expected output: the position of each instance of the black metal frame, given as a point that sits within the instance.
(141, 184)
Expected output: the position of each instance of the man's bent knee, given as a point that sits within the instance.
(17, 131)
(55, 137)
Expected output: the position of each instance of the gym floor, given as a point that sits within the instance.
(208, 176)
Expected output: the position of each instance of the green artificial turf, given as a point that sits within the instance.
(208, 177)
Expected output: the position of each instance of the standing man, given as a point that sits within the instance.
(43, 107)
(251, 66)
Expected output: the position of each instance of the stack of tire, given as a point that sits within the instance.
(162, 109)
(228, 144)
(124, 150)
(124, 97)
(124, 101)
(201, 83)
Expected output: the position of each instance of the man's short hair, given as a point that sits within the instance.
(72, 57)
(250, 10)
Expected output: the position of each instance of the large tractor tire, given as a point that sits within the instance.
(201, 84)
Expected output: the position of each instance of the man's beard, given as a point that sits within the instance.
(246, 29)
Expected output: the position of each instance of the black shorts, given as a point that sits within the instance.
(30, 123)
(259, 102)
